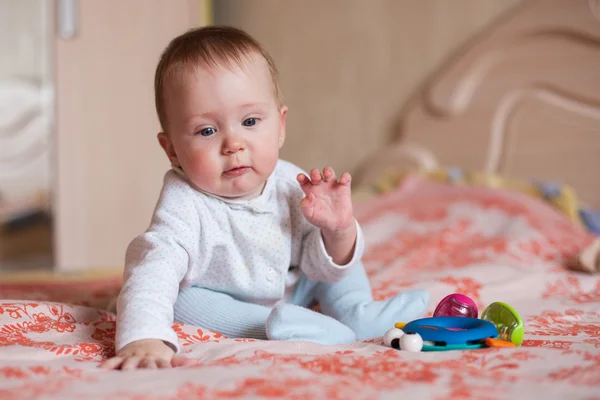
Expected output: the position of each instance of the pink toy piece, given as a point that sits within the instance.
(456, 305)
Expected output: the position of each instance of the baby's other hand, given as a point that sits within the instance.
(327, 204)
(147, 353)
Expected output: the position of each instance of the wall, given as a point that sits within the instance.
(347, 66)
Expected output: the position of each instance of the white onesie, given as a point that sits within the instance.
(245, 248)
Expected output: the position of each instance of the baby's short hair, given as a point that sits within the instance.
(211, 46)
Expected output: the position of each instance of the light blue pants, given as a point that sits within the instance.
(348, 312)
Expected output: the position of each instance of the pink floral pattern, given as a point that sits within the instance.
(491, 245)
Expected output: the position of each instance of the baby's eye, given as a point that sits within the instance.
(207, 131)
(249, 122)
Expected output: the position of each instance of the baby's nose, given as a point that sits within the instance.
(233, 143)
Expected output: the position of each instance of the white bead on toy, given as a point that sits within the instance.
(391, 335)
(411, 342)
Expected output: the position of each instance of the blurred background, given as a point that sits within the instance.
(26, 133)
(350, 65)
(80, 168)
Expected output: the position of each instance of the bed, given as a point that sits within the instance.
(473, 195)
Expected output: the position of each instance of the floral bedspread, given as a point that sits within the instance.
(491, 245)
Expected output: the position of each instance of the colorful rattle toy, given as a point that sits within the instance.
(455, 326)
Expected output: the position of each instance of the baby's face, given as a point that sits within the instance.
(224, 127)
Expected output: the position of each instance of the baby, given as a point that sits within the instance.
(241, 242)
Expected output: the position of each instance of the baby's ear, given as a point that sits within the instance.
(283, 116)
(167, 145)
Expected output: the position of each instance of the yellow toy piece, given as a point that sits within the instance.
(565, 201)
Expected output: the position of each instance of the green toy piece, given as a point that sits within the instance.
(507, 321)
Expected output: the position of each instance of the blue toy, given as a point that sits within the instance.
(451, 333)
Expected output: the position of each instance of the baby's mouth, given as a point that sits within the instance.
(237, 171)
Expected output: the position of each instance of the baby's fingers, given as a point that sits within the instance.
(181, 361)
(307, 183)
(112, 363)
(328, 174)
(307, 205)
(148, 363)
(315, 176)
(131, 363)
(303, 179)
(345, 179)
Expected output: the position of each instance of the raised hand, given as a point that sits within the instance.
(327, 204)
